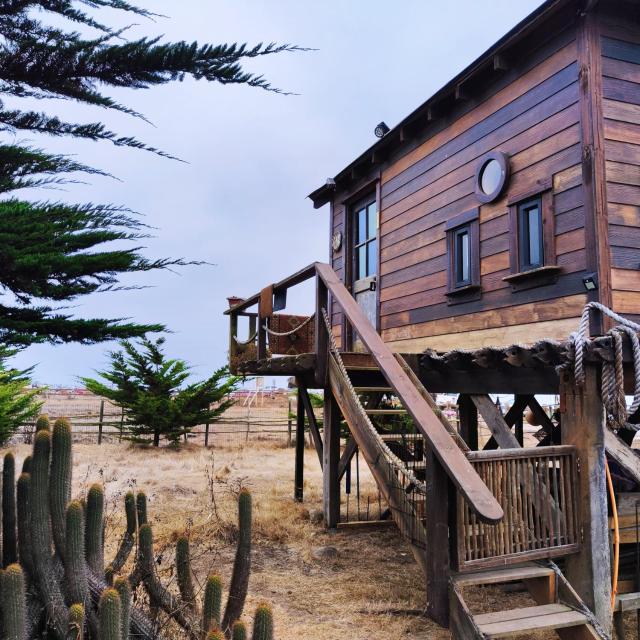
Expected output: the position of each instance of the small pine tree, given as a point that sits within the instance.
(18, 403)
(153, 393)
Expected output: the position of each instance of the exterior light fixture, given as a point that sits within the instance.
(381, 130)
(590, 282)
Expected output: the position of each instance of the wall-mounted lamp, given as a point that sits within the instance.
(381, 130)
(590, 282)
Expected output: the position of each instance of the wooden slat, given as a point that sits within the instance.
(562, 617)
(453, 461)
(498, 576)
(495, 421)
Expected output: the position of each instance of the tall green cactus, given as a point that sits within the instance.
(263, 623)
(60, 481)
(9, 537)
(212, 602)
(141, 507)
(239, 631)
(93, 542)
(76, 622)
(215, 635)
(43, 566)
(42, 423)
(110, 615)
(183, 571)
(128, 539)
(75, 573)
(242, 563)
(24, 523)
(13, 603)
(121, 585)
(26, 465)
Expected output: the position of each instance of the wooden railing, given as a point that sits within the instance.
(438, 438)
(536, 489)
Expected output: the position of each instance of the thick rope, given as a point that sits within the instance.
(613, 396)
(244, 343)
(288, 333)
(393, 460)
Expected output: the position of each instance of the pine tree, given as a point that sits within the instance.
(151, 390)
(18, 403)
(51, 253)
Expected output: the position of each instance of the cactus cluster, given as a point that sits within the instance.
(54, 583)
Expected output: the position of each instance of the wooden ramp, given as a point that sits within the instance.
(567, 615)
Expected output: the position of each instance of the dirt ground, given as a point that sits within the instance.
(370, 590)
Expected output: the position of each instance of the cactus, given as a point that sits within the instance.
(215, 635)
(9, 540)
(76, 622)
(60, 481)
(212, 602)
(183, 571)
(23, 511)
(263, 623)
(26, 465)
(93, 540)
(141, 508)
(128, 539)
(43, 566)
(110, 616)
(239, 631)
(13, 603)
(42, 423)
(242, 563)
(123, 588)
(76, 584)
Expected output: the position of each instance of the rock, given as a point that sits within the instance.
(324, 553)
(316, 516)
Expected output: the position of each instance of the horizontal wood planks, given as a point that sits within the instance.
(621, 114)
(536, 120)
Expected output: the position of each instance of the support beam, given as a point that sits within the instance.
(299, 473)
(330, 461)
(468, 421)
(313, 423)
(437, 551)
(519, 404)
(624, 455)
(583, 425)
(495, 421)
(347, 455)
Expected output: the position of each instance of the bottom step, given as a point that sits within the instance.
(504, 624)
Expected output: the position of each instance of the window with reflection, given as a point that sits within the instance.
(463, 249)
(531, 235)
(366, 240)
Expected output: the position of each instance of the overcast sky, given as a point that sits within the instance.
(253, 156)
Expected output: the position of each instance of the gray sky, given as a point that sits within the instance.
(253, 156)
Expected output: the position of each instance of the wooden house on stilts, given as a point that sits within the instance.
(488, 244)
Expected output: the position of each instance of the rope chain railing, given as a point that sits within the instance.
(398, 465)
(612, 388)
(284, 334)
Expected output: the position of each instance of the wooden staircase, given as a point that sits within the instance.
(568, 616)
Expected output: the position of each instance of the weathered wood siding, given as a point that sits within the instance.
(536, 120)
(620, 42)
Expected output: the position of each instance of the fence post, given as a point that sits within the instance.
(100, 421)
(289, 423)
(121, 424)
(206, 435)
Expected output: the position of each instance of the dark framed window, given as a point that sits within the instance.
(365, 247)
(463, 251)
(530, 232)
(492, 174)
(532, 238)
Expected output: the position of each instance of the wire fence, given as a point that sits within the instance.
(258, 416)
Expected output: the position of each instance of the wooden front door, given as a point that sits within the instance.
(364, 252)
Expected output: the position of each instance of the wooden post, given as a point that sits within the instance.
(100, 421)
(583, 425)
(299, 473)
(233, 346)
(437, 551)
(206, 435)
(289, 422)
(322, 339)
(468, 421)
(331, 460)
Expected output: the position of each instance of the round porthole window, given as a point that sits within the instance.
(491, 176)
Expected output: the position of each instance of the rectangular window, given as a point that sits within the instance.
(531, 235)
(463, 249)
(366, 243)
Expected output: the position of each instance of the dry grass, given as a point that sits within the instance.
(371, 590)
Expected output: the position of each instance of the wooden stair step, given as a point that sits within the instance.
(514, 622)
(385, 412)
(497, 576)
(627, 602)
(373, 389)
